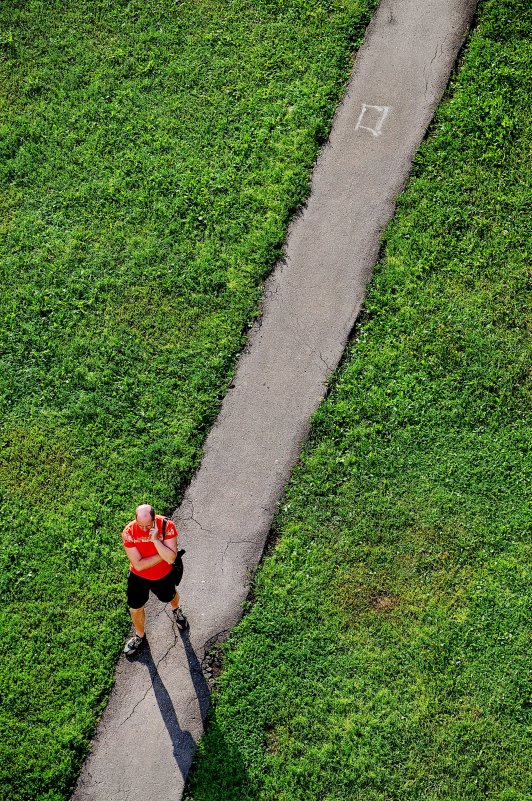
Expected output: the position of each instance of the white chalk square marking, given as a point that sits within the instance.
(372, 118)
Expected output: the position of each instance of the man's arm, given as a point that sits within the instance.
(140, 563)
(167, 550)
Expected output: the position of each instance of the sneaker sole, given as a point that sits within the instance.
(130, 651)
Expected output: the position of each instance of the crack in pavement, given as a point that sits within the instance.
(325, 364)
(292, 322)
(191, 502)
(234, 542)
(426, 68)
(271, 292)
(220, 636)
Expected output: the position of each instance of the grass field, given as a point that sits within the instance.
(152, 154)
(384, 655)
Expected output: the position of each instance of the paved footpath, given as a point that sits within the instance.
(147, 736)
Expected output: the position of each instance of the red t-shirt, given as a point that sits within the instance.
(134, 537)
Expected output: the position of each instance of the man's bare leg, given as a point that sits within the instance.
(174, 603)
(138, 616)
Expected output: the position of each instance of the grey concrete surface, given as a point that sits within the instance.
(148, 733)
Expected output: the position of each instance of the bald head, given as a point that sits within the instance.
(144, 514)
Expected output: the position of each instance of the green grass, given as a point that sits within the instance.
(151, 156)
(385, 656)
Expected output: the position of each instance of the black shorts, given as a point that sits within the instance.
(138, 589)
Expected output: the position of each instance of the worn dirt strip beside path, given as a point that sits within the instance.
(147, 736)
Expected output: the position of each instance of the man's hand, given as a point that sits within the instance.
(154, 533)
(167, 550)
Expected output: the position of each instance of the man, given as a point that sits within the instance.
(151, 562)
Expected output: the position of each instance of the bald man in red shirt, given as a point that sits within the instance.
(150, 569)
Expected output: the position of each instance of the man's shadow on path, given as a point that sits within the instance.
(233, 784)
(183, 743)
(220, 773)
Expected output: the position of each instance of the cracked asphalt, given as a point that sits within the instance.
(147, 736)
